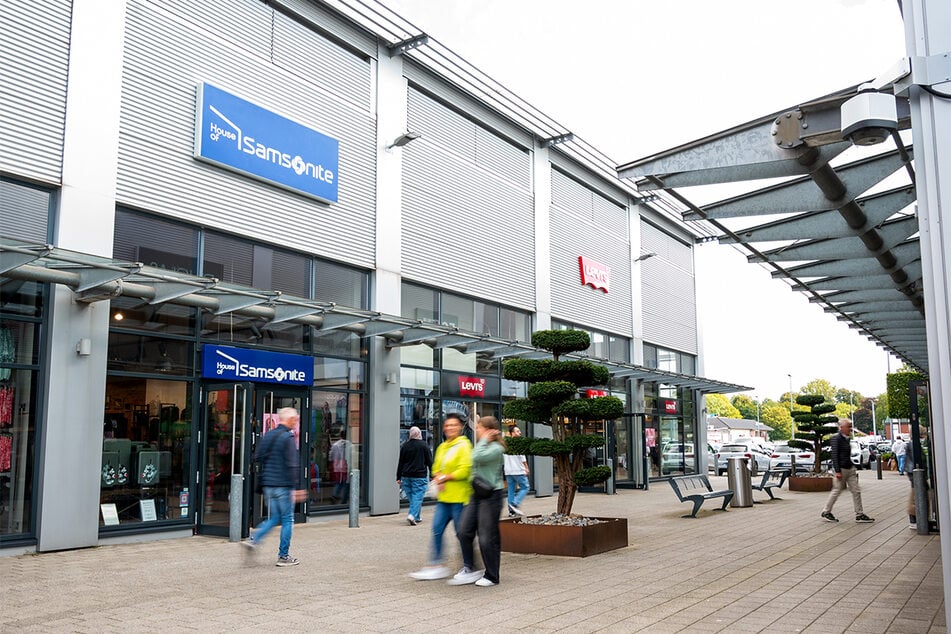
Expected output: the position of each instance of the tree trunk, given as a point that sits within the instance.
(566, 484)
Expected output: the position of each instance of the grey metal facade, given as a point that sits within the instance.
(170, 50)
(34, 60)
(668, 291)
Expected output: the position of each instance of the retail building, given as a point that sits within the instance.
(213, 210)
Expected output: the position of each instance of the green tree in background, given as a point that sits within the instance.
(745, 406)
(842, 410)
(822, 388)
(776, 415)
(718, 405)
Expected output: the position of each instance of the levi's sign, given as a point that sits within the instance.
(238, 135)
(595, 274)
(244, 364)
(471, 386)
(670, 407)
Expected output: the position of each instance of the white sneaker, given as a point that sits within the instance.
(485, 583)
(516, 510)
(465, 577)
(412, 521)
(430, 573)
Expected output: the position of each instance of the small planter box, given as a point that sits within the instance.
(800, 483)
(568, 541)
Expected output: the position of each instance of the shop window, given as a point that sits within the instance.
(18, 398)
(342, 285)
(338, 373)
(422, 304)
(147, 429)
(515, 325)
(150, 355)
(168, 319)
(340, 343)
(235, 328)
(336, 433)
(21, 298)
(24, 211)
(155, 242)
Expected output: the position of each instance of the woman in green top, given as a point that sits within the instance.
(481, 516)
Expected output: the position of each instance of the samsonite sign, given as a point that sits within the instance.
(243, 364)
(241, 136)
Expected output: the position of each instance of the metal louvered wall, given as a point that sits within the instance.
(584, 223)
(269, 59)
(468, 219)
(668, 291)
(34, 60)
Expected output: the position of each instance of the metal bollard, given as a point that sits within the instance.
(921, 500)
(609, 483)
(235, 497)
(878, 467)
(355, 498)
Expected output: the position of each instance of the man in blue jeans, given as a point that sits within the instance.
(280, 474)
(516, 475)
(412, 472)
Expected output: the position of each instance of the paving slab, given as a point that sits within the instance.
(773, 567)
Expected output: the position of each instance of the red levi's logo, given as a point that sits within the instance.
(670, 407)
(471, 386)
(595, 393)
(594, 274)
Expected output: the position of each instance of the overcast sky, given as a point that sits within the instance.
(634, 77)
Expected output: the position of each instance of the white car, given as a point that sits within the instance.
(757, 457)
(861, 457)
(781, 457)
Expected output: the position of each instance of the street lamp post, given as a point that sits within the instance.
(874, 427)
(790, 406)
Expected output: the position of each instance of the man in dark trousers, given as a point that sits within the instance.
(280, 474)
(846, 475)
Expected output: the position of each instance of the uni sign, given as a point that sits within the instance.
(238, 135)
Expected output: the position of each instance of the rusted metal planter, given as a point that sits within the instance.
(800, 483)
(568, 541)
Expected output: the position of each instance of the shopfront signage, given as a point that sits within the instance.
(245, 364)
(471, 386)
(465, 386)
(670, 407)
(241, 136)
(594, 274)
(595, 393)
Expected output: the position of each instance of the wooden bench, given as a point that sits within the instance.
(697, 489)
(772, 479)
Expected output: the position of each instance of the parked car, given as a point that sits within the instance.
(861, 457)
(678, 458)
(753, 452)
(780, 458)
(712, 456)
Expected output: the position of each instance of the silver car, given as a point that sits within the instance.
(757, 457)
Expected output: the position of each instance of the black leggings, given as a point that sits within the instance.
(482, 517)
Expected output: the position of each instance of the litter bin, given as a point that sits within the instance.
(738, 477)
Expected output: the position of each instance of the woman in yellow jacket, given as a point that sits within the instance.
(451, 466)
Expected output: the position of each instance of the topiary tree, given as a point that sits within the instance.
(812, 432)
(553, 399)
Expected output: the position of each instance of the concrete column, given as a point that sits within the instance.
(384, 387)
(541, 173)
(928, 33)
(71, 433)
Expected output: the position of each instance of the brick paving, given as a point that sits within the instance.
(774, 567)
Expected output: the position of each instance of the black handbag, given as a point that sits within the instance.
(481, 488)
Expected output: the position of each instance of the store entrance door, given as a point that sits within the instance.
(236, 415)
(223, 448)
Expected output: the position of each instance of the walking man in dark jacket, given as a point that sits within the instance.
(846, 475)
(280, 475)
(412, 472)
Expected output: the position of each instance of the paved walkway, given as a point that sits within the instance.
(775, 567)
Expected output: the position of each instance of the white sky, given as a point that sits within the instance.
(633, 77)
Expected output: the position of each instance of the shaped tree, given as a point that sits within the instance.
(813, 432)
(553, 399)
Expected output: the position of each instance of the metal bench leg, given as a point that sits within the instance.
(726, 500)
(696, 507)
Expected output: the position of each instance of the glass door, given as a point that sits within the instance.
(223, 447)
(267, 403)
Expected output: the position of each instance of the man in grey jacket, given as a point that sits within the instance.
(280, 474)
(846, 475)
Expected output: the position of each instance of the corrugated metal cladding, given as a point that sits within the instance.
(311, 11)
(168, 53)
(34, 60)
(468, 221)
(581, 227)
(24, 212)
(668, 292)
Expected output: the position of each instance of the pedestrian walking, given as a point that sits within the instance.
(900, 449)
(280, 474)
(481, 514)
(516, 478)
(450, 474)
(412, 473)
(846, 475)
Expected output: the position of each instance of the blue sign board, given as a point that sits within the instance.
(238, 135)
(244, 364)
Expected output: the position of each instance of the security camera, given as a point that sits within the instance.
(869, 117)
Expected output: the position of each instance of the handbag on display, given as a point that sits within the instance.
(481, 488)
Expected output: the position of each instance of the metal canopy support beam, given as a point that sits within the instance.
(333, 321)
(415, 335)
(484, 345)
(229, 303)
(167, 291)
(383, 327)
(450, 339)
(287, 312)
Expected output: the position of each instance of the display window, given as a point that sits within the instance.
(147, 431)
(336, 446)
